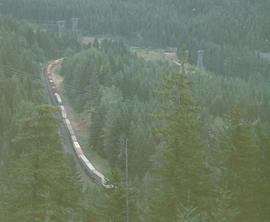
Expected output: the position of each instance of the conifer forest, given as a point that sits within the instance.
(135, 111)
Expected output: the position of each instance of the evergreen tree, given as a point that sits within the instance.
(182, 165)
(223, 210)
(242, 167)
(44, 186)
(113, 206)
(263, 141)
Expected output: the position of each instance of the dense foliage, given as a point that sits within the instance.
(193, 162)
(33, 165)
(159, 22)
(230, 32)
(198, 142)
(107, 84)
(22, 50)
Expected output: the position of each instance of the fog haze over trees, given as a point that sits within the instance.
(197, 139)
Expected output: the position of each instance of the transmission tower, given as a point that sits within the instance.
(200, 54)
(61, 26)
(75, 22)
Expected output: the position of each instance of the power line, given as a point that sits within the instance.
(127, 179)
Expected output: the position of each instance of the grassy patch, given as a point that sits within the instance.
(154, 54)
(147, 54)
(90, 39)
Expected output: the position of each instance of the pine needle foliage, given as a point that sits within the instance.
(182, 165)
(241, 164)
(40, 177)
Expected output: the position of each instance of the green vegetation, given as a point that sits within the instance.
(198, 142)
(230, 32)
(154, 55)
(33, 166)
(181, 166)
(108, 81)
(38, 171)
(180, 153)
(57, 70)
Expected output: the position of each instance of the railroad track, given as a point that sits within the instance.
(66, 130)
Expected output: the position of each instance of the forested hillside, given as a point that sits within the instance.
(22, 51)
(162, 23)
(228, 31)
(197, 140)
(185, 155)
(33, 166)
(115, 88)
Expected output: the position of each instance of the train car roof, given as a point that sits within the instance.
(91, 167)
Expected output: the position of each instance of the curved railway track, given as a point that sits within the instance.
(70, 141)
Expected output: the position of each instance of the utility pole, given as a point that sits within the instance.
(127, 178)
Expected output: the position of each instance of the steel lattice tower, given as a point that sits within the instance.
(75, 23)
(61, 26)
(200, 54)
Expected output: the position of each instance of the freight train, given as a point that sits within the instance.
(86, 164)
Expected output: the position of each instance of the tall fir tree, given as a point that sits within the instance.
(44, 186)
(263, 141)
(182, 165)
(242, 167)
